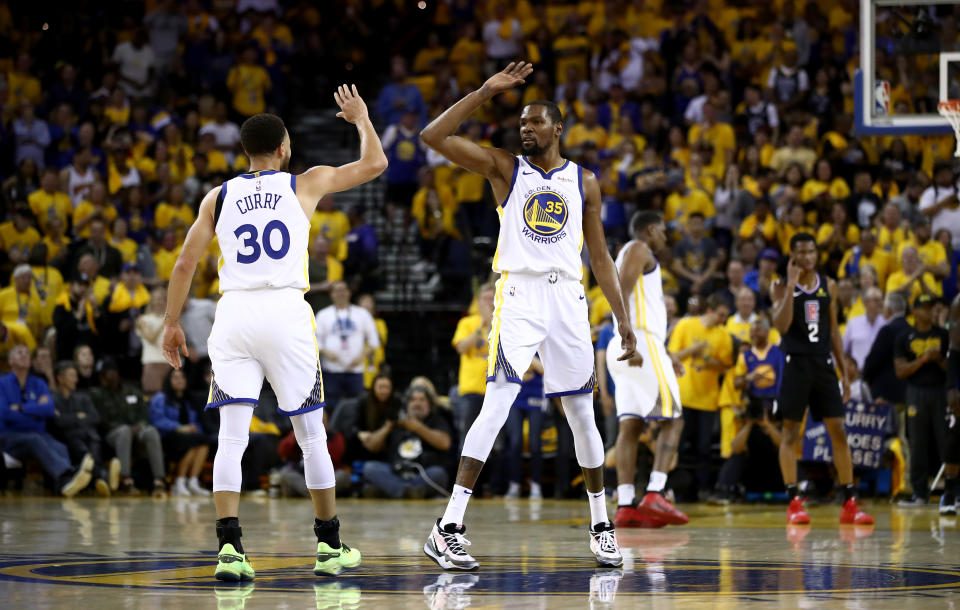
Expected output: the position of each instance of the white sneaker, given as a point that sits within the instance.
(513, 491)
(450, 591)
(535, 492)
(603, 545)
(114, 474)
(445, 546)
(193, 486)
(179, 489)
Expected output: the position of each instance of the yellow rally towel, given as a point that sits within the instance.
(258, 426)
(123, 300)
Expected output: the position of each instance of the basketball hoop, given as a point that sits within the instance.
(950, 110)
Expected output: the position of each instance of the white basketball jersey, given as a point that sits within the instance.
(541, 221)
(262, 232)
(645, 302)
(79, 185)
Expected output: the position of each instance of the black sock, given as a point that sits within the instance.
(792, 491)
(229, 532)
(328, 531)
(848, 492)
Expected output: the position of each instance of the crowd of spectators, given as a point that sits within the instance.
(733, 120)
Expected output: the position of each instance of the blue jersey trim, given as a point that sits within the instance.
(648, 418)
(510, 378)
(513, 181)
(547, 175)
(253, 402)
(302, 410)
(656, 264)
(293, 183)
(569, 393)
(265, 172)
(583, 200)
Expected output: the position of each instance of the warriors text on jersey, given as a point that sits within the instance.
(809, 331)
(263, 233)
(541, 221)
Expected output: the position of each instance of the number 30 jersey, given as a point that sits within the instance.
(262, 232)
(809, 331)
(541, 221)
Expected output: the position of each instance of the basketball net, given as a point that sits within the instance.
(950, 110)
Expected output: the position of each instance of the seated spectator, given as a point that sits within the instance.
(290, 476)
(794, 150)
(260, 455)
(761, 225)
(529, 405)
(867, 253)
(695, 258)
(78, 420)
(49, 201)
(25, 407)
(416, 451)
(740, 323)
(149, 328)
(372, 419)
(47, 281)
(11, 335)
(760, 280)
(85, 363)
(21, 303)
(18, 234)
(127, 300)
(932, 253)
(89, 265)
(109, 260)
(913, 279)
(892, 233)
(755, 447)
(323, 270)
(794, 224)
(125, 418)
(179, 426)
(75, 316)
(94, 206)
(43, 366)
(834, 238)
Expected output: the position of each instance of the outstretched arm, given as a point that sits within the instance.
(601, 263)
(321, 180)
(494, 164)
(194, 247)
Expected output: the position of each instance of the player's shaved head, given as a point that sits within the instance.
(553, 111)
(262, 134)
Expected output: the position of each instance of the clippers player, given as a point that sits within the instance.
(263, 325)
(950, 499)
(647, 387)
(548, 206)
(805, 313)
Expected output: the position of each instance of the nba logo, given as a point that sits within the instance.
(811, 311)
(259, 186)
(881, 98)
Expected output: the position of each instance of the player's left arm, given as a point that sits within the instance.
(601, 263)
(194, 248)
(835, 339)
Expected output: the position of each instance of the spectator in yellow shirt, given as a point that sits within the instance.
(373, 363)
(434, 208)
(11, 335)
(932, 253)
(49, 200)
(682, 202)
(427, 55)
(891, 233)
(333, 224)
(706, 350)
(120, 241)
(174, 213)
(20, 302)
(471, 342)
(93, 207)
(823, 184)
(166, 255)
(913, 279)
(867, 253)
(738, 325)
(18, 235)
(21, 85)
(760, 224)
(714, 132)
(587, 130)
(248, 82)
(793, 225)
(795, 151)
(834, 238)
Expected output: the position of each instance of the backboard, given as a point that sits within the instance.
(909, 61)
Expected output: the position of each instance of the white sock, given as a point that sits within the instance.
(457, 506)
(658, 480)
(626, 495)
(598, 506)
(181, 481)
(534, 488)
(514, 488)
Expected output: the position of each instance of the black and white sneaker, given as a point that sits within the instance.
(948, 505)
(603, 544)
(445, 546)
(603, 588)
(450, 591)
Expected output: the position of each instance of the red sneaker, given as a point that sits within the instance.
(628, 516)
(655, 505)
(851, 513)
(796, 515)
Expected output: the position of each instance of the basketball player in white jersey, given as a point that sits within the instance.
(263, 325)
(548, 206)
(646, 385)
(79, 177)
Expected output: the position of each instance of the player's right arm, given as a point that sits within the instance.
(635, 262)
(495, 164)
(783, 298)
(321, 180)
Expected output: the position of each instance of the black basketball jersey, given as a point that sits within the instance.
(809, 331)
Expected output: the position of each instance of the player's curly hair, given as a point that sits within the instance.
(262, 134)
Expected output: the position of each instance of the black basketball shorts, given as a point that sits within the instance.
(809, 380)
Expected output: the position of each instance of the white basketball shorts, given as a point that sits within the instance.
(265, 333)
(545, 314)
(649, 391)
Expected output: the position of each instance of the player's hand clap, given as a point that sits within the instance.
(628, 342)
(172, 343)
(511, 76)
(352, 108)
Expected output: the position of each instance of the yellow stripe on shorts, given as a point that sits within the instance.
(666, 399)
(493, 341)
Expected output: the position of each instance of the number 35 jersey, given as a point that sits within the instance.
(809, 331)
(541, 221)
(262, 232)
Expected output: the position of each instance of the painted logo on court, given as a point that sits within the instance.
(545, 213)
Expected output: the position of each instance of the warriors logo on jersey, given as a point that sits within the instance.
(545, 214)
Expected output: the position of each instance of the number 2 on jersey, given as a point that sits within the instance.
(248, 233)
(813, 331)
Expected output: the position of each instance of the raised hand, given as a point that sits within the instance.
(352, 107)
(514, 74)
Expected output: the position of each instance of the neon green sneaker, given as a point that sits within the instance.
(332, 595)
(331, 561)
(232, 566)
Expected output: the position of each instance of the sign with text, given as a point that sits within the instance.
(866, 424)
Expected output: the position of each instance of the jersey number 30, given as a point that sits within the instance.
(248, 233)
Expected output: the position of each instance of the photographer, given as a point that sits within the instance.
(757, 376)
(417, 446)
